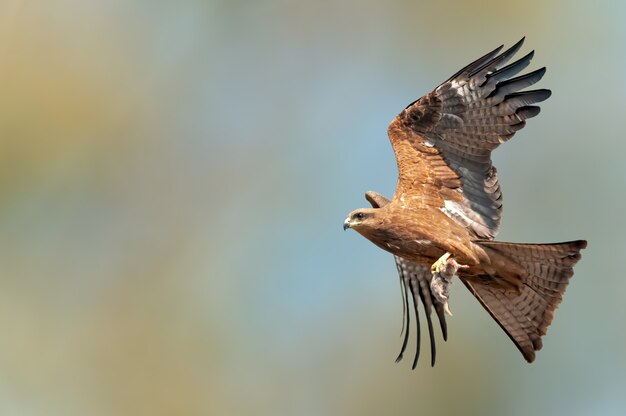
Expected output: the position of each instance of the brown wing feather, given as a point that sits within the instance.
(443, 141)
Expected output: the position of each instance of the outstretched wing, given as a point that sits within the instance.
(443, 141)
(415, 279)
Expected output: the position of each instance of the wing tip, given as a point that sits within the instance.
(538, 95)
(545, 93)
(541, 71)
(375, 199)
(529, 355)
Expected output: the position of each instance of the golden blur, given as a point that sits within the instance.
(173, 180)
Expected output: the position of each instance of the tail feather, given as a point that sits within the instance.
(526, 314)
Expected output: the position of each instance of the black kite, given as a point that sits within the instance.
(447, 206)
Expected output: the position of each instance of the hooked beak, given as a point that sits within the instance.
(346, 224)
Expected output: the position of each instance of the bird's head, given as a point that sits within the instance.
(362, 219)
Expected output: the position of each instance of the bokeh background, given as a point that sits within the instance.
(173, 181)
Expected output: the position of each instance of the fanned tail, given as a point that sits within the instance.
(526, 314)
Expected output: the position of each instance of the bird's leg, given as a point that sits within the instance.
(443, 270)
(440, 263)
(446, 266)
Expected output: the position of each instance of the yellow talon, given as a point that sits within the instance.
(440, 264)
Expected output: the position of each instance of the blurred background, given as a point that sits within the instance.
(173, 181)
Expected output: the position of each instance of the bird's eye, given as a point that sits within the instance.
(360, 215)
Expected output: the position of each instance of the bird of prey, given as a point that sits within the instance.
(447, 206)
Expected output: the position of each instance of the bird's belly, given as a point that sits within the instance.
(421, 251)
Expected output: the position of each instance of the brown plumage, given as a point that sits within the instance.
(448, 200)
